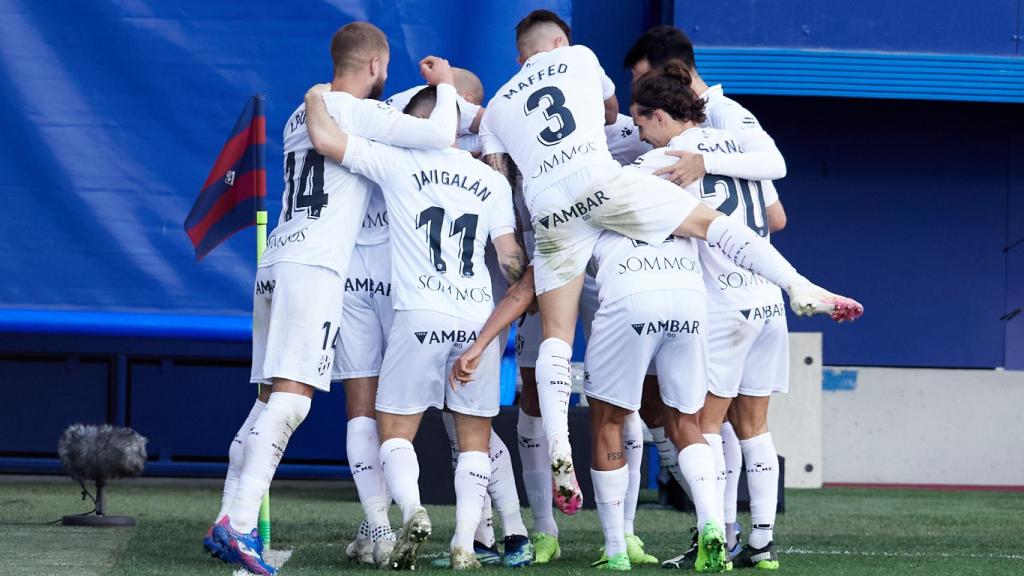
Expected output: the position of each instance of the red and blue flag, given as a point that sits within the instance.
(236, 187)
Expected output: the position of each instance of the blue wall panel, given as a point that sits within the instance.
(939, 26)
(903, 206)
(42, 397)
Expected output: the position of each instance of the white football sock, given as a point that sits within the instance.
(236, 457)
(668, 455)
(533, 452)
(554, 387)
(733, 461)
(751, 252)
(263, 451)
(697, 462)
(472, 474)
(485, 529)
(633, 447)
(762, 465)
(363, 448)
(502, 488)
(715, 441)
(610, 494)
(402, 474)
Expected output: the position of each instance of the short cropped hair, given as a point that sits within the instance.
(355, 44)
(660, 45)
(538, 17)
(426, 99)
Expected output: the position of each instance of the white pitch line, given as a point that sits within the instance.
(275, 558)
(805, 551)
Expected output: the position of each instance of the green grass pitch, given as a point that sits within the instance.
(837, 532)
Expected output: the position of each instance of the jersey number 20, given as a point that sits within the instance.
(464, 226)
(551, 101)
(738, 190)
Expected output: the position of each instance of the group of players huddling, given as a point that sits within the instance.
(376, 276)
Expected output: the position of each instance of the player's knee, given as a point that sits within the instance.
(289, 408)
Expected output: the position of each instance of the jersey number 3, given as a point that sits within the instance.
(551, 102)
(311, 198)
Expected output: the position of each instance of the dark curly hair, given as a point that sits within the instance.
(668, 88)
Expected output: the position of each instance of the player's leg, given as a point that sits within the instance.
(558, 312)
(304, 313)
(472, 476)
(533, 445)
(362, 443)
(733, 462)
(767, 372)
(611, 478)
(711, 418)
(473, 404)
(401, 472)
(749, 251)
(682, 366)
(505, 497)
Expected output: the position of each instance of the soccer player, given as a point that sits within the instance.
(549, 118)
(442, 205)
(761, 160)
(366, 321)
(300, 280)
(747, 331)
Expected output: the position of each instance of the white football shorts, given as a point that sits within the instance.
(568, 217)
(665, 327)
(295, 323)
(748, 352)
(367, 314)
(422, 346)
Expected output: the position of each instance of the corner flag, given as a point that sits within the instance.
(236, 187)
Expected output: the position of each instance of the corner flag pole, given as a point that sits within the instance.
(261, 244)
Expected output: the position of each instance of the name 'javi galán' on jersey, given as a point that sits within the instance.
(442, 205)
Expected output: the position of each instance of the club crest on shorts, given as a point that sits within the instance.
(325, 364)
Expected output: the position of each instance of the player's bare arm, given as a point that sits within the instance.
(611, 110)
(517, 301)
(503, 164)
(776, 217)
(511, 257)
(325, 135)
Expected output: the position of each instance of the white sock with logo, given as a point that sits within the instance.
(762, 465)
(554, 387)
(533, 452)
(633, 449)
(236, 457)
(668, 455)
(472, 475)
(363, 447)
(697, 462)
(263, 451)
(733, 462)
(610, 488)
(485, 529)
(402, 474)
(715, 441)
(502, 488)
(751, 252)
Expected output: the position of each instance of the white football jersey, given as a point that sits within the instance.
(375, 222)
(550, 117)
(729, 287)
(624, 141)
(623, 266)
(325, 205)
(724, 113)
(442, 206)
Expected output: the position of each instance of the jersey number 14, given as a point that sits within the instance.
(311, 198)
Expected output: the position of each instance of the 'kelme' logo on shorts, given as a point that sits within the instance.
(670, 326)
(446, 336)
(580, 209)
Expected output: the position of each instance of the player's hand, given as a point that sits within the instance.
(464, 367)
(317, 91)
(686, 171)
(436, 71)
